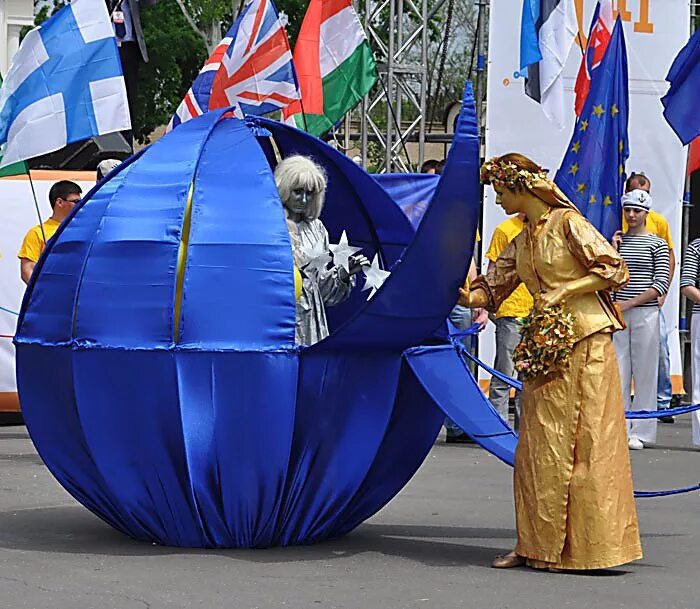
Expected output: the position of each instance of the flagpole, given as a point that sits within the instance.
(364, 142)
(36, 203)
(683, 329)
(481, 69)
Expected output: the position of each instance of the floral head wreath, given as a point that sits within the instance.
(509, 174)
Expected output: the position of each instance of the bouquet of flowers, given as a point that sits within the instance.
(547, 341)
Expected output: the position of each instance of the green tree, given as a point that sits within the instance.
(295, 10)
(210, 19)
(176, 54)
(452, 59)
(205, 18)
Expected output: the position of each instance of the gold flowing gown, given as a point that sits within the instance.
(574, 500)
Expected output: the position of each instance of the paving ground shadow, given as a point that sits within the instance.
(73, 530)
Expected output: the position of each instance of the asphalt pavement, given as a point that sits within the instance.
(430, 547)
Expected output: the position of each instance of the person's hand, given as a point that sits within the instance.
(662, 300)
(475, 299)
(554, 297)
(624, 305)
(480, 316)
(356, 262)
(463, 298)
(617, 239)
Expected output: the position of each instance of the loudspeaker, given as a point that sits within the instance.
(86, 154)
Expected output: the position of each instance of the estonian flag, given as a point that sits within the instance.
(547, 32)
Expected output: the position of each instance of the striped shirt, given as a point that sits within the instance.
(690, 270)
(649, 263)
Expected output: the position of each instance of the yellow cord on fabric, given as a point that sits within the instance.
(181, 262)
(297, 283)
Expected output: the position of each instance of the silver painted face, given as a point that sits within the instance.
(300, 199)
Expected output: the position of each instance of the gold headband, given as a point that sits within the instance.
(509, 174)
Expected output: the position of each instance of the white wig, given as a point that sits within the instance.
(301, 172)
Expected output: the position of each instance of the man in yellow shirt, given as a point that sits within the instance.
(512, 310)
(63, 196)
(657, 225)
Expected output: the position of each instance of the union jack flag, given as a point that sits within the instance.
(251, 69)
(598, 40)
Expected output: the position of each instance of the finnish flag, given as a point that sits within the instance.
(65, 84)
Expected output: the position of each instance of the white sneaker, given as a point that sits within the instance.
(635, 444)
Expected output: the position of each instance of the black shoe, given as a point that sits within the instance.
(460, 439)
(667, 419)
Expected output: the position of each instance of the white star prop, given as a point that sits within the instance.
(342, 252)
(318, 258)
(375, 276)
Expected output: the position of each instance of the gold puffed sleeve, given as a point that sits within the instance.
(594, 252)
(501, 281)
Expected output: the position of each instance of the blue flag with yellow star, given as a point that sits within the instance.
(592, 173)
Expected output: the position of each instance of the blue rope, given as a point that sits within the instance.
(455, 339)
(516, 384)
(9, 311)
(675, 491)
(664, 412)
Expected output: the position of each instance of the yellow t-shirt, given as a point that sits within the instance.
(33, 243)
(657, 225)
(466, 281)
(519, 303)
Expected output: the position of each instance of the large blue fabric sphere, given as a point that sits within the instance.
(157, 367)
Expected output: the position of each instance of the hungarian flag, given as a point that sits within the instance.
(335, 66)
(15, 168)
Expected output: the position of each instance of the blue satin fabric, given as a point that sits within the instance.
(239, 241)
(416, 298)
(443, 375)
(412, 192)
(225, 433)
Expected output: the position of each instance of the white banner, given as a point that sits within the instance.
(655, 31)
(18, 215)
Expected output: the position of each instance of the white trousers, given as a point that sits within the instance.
(695, 368)
(637, 348)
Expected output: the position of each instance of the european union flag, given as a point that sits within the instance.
(681, 101)
(592, 173)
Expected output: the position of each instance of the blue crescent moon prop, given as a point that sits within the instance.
(215, 429)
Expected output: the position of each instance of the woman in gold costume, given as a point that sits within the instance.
(574, 502)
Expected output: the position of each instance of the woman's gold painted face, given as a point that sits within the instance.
(507, 199)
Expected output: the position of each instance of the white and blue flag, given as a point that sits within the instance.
(547, 33)
(65, 84)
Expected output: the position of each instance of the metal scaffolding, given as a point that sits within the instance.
(395, 111)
